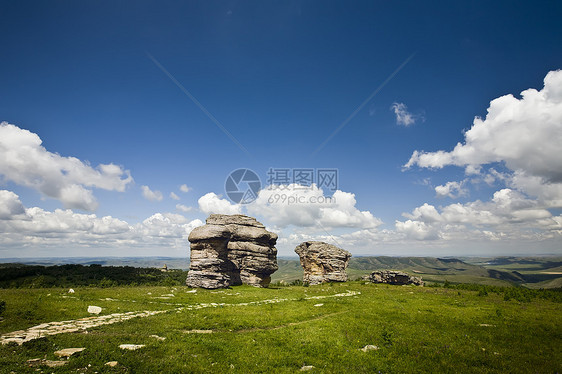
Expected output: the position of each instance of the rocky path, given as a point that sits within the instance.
(53, 328)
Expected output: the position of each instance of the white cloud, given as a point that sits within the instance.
(174, 196)
(27, 163)
(183, 208)
(151, 195)
(184, 188)
(10, 205)
(403, 117)
(38, 228)
(508, 214)
(212, 203)
(451, 189)
(297, 205)
(417, 230)
(525, 134)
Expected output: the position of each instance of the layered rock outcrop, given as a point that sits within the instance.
(323, 262)
(231, 250)
(393, 277)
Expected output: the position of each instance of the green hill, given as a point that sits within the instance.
(431, 269)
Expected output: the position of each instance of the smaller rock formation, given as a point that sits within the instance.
(393, 277)
(231, 250)
(322, 262)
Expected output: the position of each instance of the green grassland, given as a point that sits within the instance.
(281, 329)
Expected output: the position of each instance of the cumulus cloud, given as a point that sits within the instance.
(27, 163)
(297, 205)
(417, 230)
(36, 227)
(10, 205)
(524, 134)
(451, 189)
(508, 214)
(151, 195)
(174, 196)
(403, 117)
(184, 188)
(212, 203)
(183, 208)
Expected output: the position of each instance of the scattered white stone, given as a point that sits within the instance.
(112, 363)
(149, 293)
(192, 291)
(486, 325)
(60, 327)
(369, 347)
(158, 337)
(54, 364)
(71, 291)
(67, 352)
(199, 331)
(318, 304)
(307, 368)
(169, 295)
(131, 347)
(42, 362)
(94, 309)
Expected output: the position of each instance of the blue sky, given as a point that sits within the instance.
(79, 89)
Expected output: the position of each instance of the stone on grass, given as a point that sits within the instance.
(231, 250)
(112, 363)
(369, 347)
(131, 347)
(94, 309)
(158, 337)
(198, 331)
(322, 262)
(307, 368)
(67, 352)
(71, 291)
(42, 362)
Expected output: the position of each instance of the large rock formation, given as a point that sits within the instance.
(231, 250)
(393, 277)
(323, 262)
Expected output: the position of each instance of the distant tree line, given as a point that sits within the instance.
(34, 276)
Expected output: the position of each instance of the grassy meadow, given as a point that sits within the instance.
(285, 328)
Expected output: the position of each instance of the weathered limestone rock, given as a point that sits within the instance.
(67, 352)
(231, 250)
(393, 277)
(323, 262)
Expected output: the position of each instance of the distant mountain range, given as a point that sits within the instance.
(532, 272)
